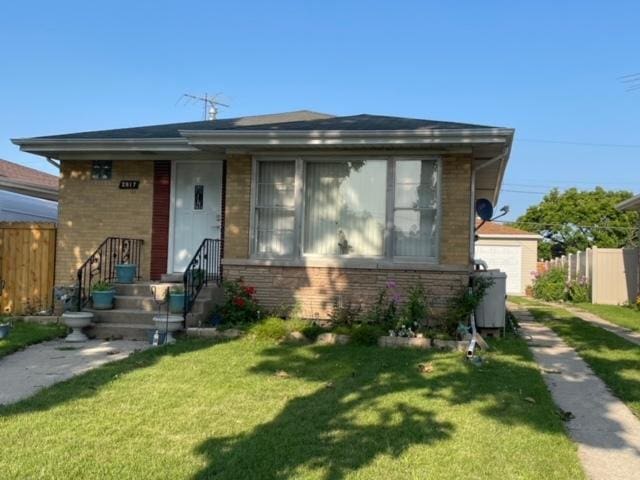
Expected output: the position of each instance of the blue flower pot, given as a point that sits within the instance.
(103, 300)
(125, 273)
(176, 302)
(5, 328)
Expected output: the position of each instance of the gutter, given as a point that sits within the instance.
(29, 189)
(42, 146)
(345, 137)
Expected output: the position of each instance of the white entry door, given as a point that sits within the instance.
(506, 258)
(197, 201)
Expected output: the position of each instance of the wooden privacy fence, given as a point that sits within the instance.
(612, 273)
(27, 257)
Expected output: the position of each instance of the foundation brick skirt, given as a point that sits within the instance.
(317, 289)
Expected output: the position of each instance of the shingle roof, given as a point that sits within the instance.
(304, 120)
(18, 173)
(495, 228)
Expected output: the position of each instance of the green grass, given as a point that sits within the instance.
(199, 410)
(623, 316)
(615, 360)
(24, 334)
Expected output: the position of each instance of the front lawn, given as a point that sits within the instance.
(261, 410)
(623, 316)
(615, 360)
(24, 334)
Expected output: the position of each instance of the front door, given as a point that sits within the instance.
(197, 201)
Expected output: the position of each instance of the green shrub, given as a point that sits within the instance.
(578, 292)
(384, 312)
(550, 286)
(240, 305)
(365, 335)
(312, 331)
(342, 330)
(461, 306)
(272, 328)
(345, 313)
(416, 309)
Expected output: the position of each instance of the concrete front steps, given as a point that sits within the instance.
(135, 308)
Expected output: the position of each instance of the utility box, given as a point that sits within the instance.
(491, 311)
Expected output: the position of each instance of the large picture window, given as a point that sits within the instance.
(347, 207)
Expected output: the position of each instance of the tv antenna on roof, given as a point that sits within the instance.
(210, 103)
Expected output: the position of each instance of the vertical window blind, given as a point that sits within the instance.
(415, 206)
(275, 209)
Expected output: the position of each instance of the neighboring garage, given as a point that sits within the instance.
(513, 251)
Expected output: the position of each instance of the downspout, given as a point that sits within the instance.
(472, 320)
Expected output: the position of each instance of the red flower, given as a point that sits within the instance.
(249, 290)
(238, 302)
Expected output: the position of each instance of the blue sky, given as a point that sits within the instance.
(549, 69)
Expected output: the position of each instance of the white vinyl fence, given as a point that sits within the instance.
(612, 273)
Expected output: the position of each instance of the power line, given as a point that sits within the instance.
(545, 224)
(523, 191)
(582, 144)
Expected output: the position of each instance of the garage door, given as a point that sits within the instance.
(507, 259)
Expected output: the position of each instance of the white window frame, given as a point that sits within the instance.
(299, 188)
(392, 240)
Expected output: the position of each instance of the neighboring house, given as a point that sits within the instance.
(26, 194)
(513, 251)
(312, 208)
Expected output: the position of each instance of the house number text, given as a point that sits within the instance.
(129, 184)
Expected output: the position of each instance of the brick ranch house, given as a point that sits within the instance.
(311, 208)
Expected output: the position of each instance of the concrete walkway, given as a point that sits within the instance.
(607, 433)
(24, 373)
(629, 335)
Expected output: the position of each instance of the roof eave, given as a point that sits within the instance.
(345, 137)
(46, 146)
(632, 203)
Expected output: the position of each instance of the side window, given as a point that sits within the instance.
(101, 169)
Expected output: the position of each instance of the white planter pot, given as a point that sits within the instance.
(171, 324)
(77, 321)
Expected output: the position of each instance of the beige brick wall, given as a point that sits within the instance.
(456, 210)
(237, 206)
(92, 210)
(316, 289)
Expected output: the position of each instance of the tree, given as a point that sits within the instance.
(578, 219)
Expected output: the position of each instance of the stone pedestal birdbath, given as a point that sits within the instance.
(77, 321)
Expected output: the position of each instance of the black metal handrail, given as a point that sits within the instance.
(204, 267)
(101, 265)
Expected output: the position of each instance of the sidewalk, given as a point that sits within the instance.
(24, 373)
(607, 433)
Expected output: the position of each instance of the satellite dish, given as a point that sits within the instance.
(484, 209)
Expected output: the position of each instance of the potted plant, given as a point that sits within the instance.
(176, 299)
(125, 273)
(102, 295)
(5, 328)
